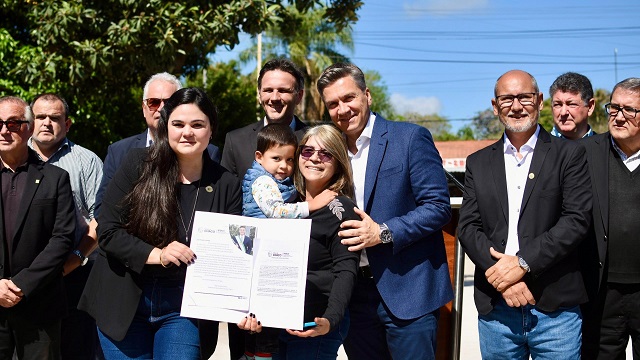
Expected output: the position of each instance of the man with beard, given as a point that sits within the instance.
(526, 208)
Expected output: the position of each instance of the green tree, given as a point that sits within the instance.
(380, 101)
(486, 125)
(438, 126)
(233, 93)
(465, 133)
(98, 54)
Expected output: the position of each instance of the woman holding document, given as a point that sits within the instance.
(145, 224)
(331, 271)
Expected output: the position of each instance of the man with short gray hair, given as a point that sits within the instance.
(613, 274)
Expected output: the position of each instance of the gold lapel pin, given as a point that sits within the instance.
(37, 181)
(209, 188)
(531, 176)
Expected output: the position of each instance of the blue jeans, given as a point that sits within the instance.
(375, 334)
(520, 332)
(157, 331)
(323, 347)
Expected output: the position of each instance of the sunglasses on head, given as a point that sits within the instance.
(153, 103)
(306, 152)
(13, 125)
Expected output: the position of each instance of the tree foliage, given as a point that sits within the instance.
(486, 125)
(98, 54)
(380, 100)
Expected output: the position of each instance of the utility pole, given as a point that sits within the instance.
(258, 67)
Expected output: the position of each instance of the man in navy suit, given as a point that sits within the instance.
(403, 277)
(525, 211)
(158, 88)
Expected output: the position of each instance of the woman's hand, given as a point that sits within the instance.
(322, 327)
(174, 253)
(250, 323)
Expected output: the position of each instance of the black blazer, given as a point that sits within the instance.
(113, 290)
(240, 146)
(554, 218)
(44, 235)
(595, 251)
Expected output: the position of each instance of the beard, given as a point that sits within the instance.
(533, 121)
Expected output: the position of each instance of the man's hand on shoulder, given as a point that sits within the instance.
(360, 234)
(506, 272)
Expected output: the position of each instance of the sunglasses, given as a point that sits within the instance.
(12, 125)
(306, 152)
(153, 103)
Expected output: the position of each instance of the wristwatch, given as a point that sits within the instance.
(83, 259)
(523, 264)
(385, 234)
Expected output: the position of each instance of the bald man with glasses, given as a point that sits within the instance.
(526, 208)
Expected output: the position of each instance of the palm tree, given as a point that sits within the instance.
(311, 42)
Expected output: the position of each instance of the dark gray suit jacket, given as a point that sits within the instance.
(240, 146)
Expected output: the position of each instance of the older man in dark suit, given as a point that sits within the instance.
(613, 271)
(37, 218)
(525, 210)
(280, 87)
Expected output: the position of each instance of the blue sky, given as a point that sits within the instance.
(443, 56)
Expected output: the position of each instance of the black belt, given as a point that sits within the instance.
(364, 272)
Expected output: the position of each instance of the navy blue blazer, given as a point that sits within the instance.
(405, 188)
(555, 216)
(117, 152)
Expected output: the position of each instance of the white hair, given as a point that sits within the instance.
(163, 76)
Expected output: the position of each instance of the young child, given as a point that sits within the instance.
(267, 188)
(268, 192)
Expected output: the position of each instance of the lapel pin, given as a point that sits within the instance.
(531, 176)
(37, 181)
(209, 188)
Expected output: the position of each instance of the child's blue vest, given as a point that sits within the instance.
(249, 205)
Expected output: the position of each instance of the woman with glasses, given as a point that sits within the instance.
(331, 273)
(135, 288)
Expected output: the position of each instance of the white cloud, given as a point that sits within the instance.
(421, 105)
(442, 7)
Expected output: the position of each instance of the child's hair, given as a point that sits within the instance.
(276, 135)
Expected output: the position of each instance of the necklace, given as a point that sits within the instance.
(193, 213)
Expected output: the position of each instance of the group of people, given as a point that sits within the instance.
(542, 218)
(94, 256)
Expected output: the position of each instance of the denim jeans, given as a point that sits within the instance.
(520, 332)
(157, 331)
(375, 334)
(323, 347)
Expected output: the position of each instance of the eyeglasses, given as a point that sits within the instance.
(627, 111)
(153, 103)
(525, 99)
(306, 152)
(13, 125)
